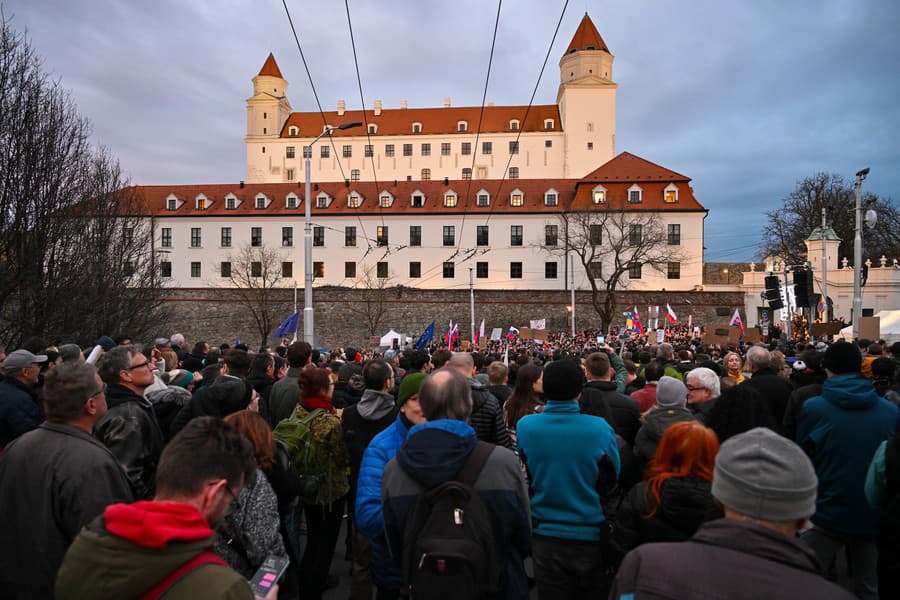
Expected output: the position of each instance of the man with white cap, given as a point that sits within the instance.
(19, 408)
(767, 486)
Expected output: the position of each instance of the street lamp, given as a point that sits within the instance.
(857, 254)
(309, 330)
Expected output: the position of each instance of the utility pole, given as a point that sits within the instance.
(472, 306)
(857, 254)
(824, 264)
(572, 286)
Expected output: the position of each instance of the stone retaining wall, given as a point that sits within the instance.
(216, 316)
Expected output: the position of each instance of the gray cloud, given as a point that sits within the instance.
(745, 98)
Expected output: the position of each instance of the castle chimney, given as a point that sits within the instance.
(341, 107)
(378, 108)
(447, 102)
(403, 104)
(242, 185)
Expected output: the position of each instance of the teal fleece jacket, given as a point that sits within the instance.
(571, 458)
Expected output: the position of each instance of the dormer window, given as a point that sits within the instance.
(385, 200)
(417, 128)
(323, 200)
(418, 199)
(354, 200)
(548, 123)
(462, 126)
(373, 128)
(293, 131)
(231, 202)
(202, 202)
(483, 198)
(516, 198)
(261, 202)
(551, 198)
(670, 194)
(292, 202)
(598, 195)
(172, 203)
(634, 194)
(450, 199)
(514, 124)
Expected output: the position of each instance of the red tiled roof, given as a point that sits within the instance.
(270, 68)
(633, 169)
(573, 194)
(586, 37)
(444, 120)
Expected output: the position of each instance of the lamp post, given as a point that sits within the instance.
(857, 254)
(309, 329)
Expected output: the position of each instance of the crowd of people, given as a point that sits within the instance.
(570, 467)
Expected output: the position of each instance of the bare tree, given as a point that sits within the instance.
(73, 264)
(254, 274)
(607, 244)
(370, 299)
(801, 212)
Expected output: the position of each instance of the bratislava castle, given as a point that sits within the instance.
(419, 196)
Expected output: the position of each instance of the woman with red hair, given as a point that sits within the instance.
(675, 497)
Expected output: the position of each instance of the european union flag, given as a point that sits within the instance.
(425, 337)
(287, 326)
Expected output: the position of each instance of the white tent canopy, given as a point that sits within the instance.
(889, 326)
(388, 338)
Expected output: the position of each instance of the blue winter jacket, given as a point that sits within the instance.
(840, 431)
(434, 453)
(19, 411)
(369, 521)
(572, 458)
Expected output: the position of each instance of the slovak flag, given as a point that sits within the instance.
(479, 333)
(512, 333)
(671, 317)
(637, 322)
(448, 338)
(736, 321)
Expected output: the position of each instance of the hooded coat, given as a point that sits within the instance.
(131, 547)
(655, 424)
(840, 431)
(434, 453)
(222, 397)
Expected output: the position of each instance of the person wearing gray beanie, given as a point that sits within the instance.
(767, 486)
(765, 477)
(671, 397)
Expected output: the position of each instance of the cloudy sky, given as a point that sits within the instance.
(746, 98)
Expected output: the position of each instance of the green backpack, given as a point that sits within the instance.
(311, 464)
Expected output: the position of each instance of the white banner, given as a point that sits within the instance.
(496, 332)
(660, 335)
(539, 323)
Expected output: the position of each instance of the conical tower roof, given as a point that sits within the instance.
(586, 37)
(270, 68)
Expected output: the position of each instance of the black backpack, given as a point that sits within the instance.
(449, 545)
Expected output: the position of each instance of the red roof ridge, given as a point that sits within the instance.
(629, 167)
(270, 68)
(586, 37)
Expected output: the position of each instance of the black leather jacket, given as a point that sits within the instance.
(130, 431)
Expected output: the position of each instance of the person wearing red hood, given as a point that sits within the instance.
(162, 548)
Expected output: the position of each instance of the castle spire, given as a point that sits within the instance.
(586, 37)
(270, 68)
